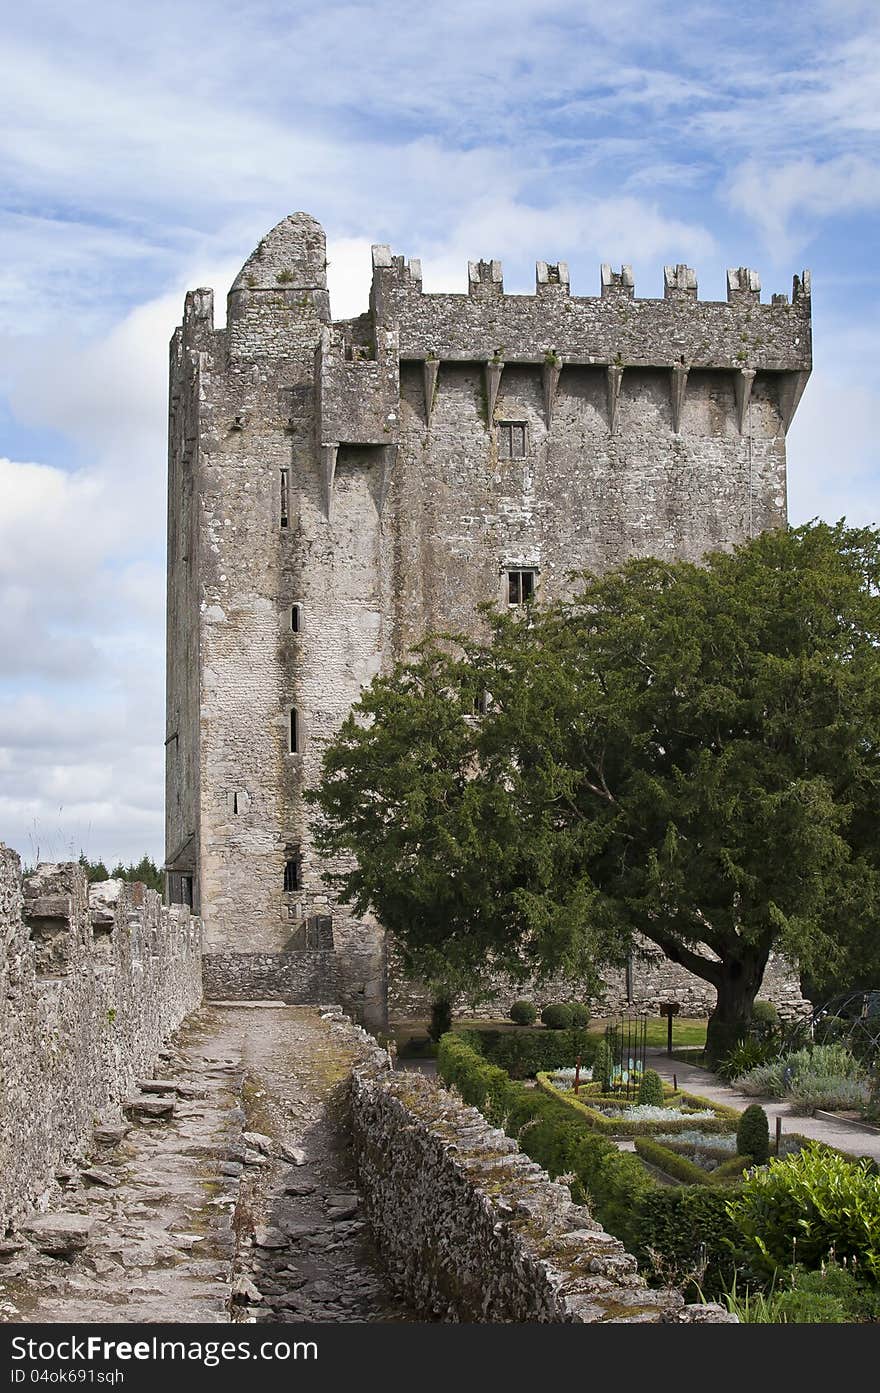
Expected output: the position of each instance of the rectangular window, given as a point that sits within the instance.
(294, 731)
(513, 440)
(520, 587)
(291, 875)
(285, 498)
(295, 618)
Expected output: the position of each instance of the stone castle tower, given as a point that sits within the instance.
(337, 489)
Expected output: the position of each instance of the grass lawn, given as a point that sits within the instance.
(411, 1036)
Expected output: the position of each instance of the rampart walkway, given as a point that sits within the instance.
(230, 1195)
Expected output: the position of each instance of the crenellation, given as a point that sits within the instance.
(743, 286)
(383, 473)
(485, 279)
(679, 283)
(619, 285)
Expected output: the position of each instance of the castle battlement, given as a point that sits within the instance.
(339, 488)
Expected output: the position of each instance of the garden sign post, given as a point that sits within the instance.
(669, 1009)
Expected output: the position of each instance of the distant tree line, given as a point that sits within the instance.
(145, 871)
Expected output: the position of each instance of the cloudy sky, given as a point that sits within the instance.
(147, 148)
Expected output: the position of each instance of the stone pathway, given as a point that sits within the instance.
(228, 1194)
(844, 1135)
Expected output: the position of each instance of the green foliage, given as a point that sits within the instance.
(809, 1207)
(671, 1162)
(830, 1296)
(524, 1053)
(747, 1055)
(580, 1015)
(441, 1017)
(651, 1089)
(731, 1168)
(558, 1015)
(146, 871)
(523, 1013)
(765, 1019)
(753, 1135)
(674, 1222)
(817, 1076)
(588, 1105)
(603, 1065)
(687, 751)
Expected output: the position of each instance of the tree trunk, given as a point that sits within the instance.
(737, 986)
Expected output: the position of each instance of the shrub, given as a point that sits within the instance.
(523, 1013)
(441, 1017)
(807, 1207)
(558, 1016)
(670, 1162)
(746, 1056)
(609, 1116)
(524, 1052)
(603, 1065)
(765, 1018)
(580, 1015)
(753, 1135)
(810, 1091)
(731, 1169)
(651, 1089)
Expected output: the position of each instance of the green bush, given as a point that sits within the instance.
(808, 1207)
(671, 1162)
(441, 1017)
(558, 1015)
(731, 1168)
(753, 1135)
(685, 1225)
(651, 1089)
(524, 1052)
(765, 1018)
(523, 1013)
(603, 1065)
(588, 1105)
(580, 1015)
(748, 1055)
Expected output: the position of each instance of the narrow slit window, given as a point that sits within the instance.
(235, 805)
(295, 619)
(513, 440)
(520, 587)
(285, 498)
(291, 875)
(294, 731)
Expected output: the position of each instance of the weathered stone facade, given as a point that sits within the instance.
(91, 986)
(338, 489)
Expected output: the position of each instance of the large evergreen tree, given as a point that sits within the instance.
(687, 752)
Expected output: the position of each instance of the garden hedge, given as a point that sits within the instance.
(524, 1052)
(725, 1118)
(682, 1225)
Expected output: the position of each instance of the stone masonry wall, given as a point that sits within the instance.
(473, 1230)
(92, 983)
(653, 979)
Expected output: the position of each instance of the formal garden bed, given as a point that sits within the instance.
(617, 1116)
(718, 1222)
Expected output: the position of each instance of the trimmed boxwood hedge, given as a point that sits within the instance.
(725, 1118)
(681, 1224)
(524, 1052)
(671, 1162)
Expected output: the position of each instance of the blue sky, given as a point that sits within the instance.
(146, 149)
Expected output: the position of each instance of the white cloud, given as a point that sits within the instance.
(806, 189)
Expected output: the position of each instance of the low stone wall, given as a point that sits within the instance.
(652, 980)
(472, 1230)
(92, 983)
(299, 978)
